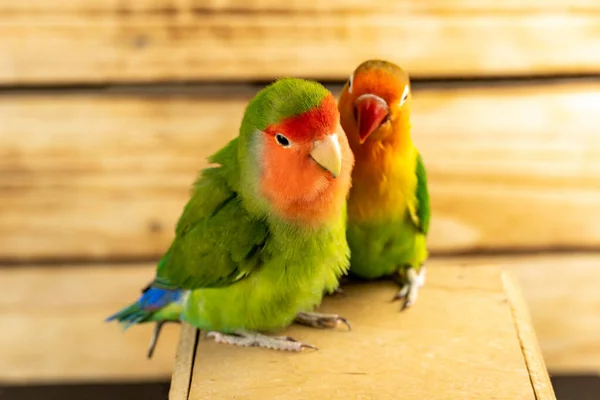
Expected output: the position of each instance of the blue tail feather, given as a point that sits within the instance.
(155, 298)
(152, 300)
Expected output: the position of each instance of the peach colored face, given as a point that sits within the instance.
(306, 160)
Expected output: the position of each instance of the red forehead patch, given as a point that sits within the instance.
(310, 125)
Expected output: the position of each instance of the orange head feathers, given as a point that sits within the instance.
(375, 104)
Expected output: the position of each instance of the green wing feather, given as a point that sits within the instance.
(423, 210)
(217, 242)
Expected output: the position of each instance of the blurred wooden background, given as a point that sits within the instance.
(108, 109)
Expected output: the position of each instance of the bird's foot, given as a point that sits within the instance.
(338, 292)
(319, 320)
(409, 290)
(155, 335)
(252, 339)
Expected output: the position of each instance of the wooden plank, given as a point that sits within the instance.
(184, 361)
(462, 337)
(347, 6)
(148, 40)
(53, 329)
(562, 295)
(538, 374)
(510, 167)
(566, 300)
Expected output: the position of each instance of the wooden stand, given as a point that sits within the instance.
(468, 337)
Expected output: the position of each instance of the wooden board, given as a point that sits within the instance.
(510, 167)
(538, 373)
(53, 329)
(149, 40)
(463, 341)
(184, 359)
(562, 294)
(53, 326)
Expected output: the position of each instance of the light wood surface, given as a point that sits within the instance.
(510, 167)
(184, 360)
(561, 292)
(564, 294)
(461, 343)
(149, 40)
(53, 327)
(538, 373)
(231, 6)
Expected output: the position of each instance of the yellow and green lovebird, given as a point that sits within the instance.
(262, 237)
(388, 208)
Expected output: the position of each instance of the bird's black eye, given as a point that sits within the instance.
(282, 140)
(404, 95)
(350, 81)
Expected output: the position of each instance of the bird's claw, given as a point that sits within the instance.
(401, 294)
(410, 290)
(333, 322)
(251, 339)
(308, 346)
(338, 292)
(319, 320)
(291, 339)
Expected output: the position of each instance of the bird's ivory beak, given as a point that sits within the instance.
(371, 111)
(328, 154)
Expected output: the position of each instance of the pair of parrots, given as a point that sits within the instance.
(290, 206)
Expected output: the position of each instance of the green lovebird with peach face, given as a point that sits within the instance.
(262, 237)
(388, 207)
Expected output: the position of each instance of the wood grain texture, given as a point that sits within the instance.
(562, 295)
(346, 6)
(148, 40)
(538, 373)
(460, 344)
(53, 326)
(53, 329)
(184, 362)
(510, 167)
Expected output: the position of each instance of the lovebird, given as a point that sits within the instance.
(262, 237)
(388, 206)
